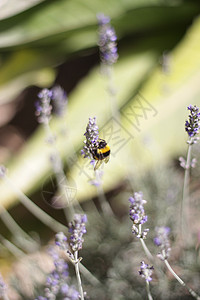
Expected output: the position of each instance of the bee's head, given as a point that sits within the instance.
(102, 144)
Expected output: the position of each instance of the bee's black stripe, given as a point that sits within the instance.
(101, 156)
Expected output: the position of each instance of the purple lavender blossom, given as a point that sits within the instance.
(193, 124)
(146, 271)
(92, 136)
(2, 171)
(107, 40)
(57, 282)
(137, 214)
(77, 230)
(43, 106)
(60, 100)
(161, 240)
(61, 240)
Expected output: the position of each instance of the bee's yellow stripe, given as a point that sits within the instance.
(103, 150)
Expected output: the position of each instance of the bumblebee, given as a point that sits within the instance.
(101, 153)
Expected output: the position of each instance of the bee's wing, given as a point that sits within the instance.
(98, 164)
(107, 159)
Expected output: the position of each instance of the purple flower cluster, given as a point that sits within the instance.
(161, 240)
(2, 171)
(146, 271)
(92, 136)
(107, 40)
(77, 230)
(57, 285)
(43, 106)
(193, 124)
(55, 97)
(137, 214)
(61, 240)
(60, 100)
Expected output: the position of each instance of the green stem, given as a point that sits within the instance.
(148, 291)
(35, 210)
(12, 248)
(78, 275)
(146, 250)
(185, 200)
(60, 175)
(105, 206)
(21, 237)
(86, 273)
(89, 276)
(111, 89)
(192, 293)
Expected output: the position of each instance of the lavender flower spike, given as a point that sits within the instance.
(146, 271)
(193, 124)
(77, 230)
(43, 107)
(107, 40)
(60, 100)
(2, 171)
(137, 214)
(161, 240)
(57, 282)
(92, 136)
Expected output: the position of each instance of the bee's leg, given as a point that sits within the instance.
(98, 164)
(107, 159)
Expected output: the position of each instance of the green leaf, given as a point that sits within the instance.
(55, 20)
(9, 8)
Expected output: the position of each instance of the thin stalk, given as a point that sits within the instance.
(35, 210)
(151, 258)
(86, 273)
(148, 291)
(21, 237)
(105, 206)
(146, 250)
(60, 175)
(18, 253)
(111, 89)
(185, 200)
(89, 276)
(78, 275)
(192, 293)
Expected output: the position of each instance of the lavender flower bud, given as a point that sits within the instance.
(60, 100)
(193, 124)
(43, 107)
(137, 214)
(107, 40)
(92, 136)
(2, 171)
(77, 229)
(184, 165)
(146, 271)
(161, 240)
(57, 281)
(61, 240)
